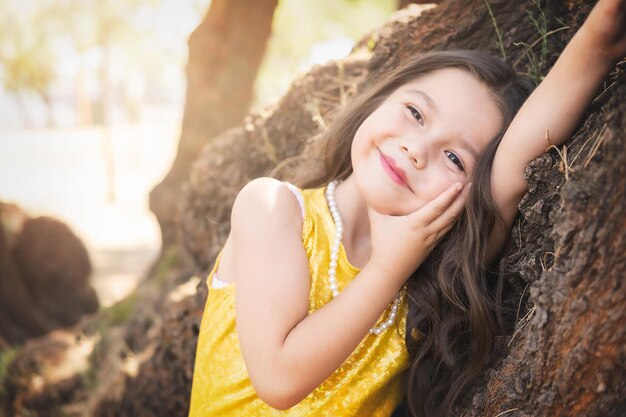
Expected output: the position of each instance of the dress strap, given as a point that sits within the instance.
(296, 192)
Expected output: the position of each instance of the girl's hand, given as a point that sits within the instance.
(401, 243)
(605, 28)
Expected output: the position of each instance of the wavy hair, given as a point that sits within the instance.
(454, 311)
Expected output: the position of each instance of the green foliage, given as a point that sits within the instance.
(41, 39)
(371, 43)
(36, 35)
(119, 312)
(168, 261)
(6, 357)
(537, 60)
(499, 43)
(300, 24)
(26, 55)
(116, 314)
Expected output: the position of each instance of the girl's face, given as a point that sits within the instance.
(425, 136)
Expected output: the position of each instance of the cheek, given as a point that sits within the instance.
(356, 156)
(360, 149)
(438, 183)
(357, 141)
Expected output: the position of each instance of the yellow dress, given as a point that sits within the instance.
(370, 381)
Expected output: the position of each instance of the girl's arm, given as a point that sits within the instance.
(558, 102)
(287, 352)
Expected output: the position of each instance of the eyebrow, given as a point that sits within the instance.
(463, 143)
(429, 101)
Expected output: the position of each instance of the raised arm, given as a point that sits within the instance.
(558, 103)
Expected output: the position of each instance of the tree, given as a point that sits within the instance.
(225, 52)
(26, 58)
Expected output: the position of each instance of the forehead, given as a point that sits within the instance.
(456, 100)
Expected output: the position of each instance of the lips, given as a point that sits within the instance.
(396, 173)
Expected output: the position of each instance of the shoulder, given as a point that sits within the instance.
(265, 203)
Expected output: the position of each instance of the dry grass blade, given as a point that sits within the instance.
(566, 167)
(506, 412)
(519, 305)
(596, 145)
(532, 45)
(587, 141)
(524, 321)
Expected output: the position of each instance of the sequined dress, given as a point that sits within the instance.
(370, 381)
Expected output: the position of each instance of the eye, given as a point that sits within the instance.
(416, 114)
(455, 160)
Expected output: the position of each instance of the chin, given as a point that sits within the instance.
(383, 197)
(388, 206)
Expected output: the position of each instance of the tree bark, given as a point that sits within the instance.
(225, 52)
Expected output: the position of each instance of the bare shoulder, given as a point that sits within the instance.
(265, 213)
(265, 203)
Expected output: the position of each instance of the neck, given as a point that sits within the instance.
(356, 224)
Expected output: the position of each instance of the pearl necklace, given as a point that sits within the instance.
(334, 255)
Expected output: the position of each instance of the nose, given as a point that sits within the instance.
(415, 154)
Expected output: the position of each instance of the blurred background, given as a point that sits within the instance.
(92, 94)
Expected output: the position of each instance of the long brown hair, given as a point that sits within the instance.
(454, 314)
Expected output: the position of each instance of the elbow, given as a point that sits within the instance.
(279, 394)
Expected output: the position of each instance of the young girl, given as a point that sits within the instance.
(324, 301)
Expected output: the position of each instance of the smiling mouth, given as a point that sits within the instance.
(395, 173)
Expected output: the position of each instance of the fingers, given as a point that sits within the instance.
(450, 216)
(436, 208)
(443, 219)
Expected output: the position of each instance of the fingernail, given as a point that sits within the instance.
(459, 186)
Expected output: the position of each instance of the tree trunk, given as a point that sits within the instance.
(225, 53)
